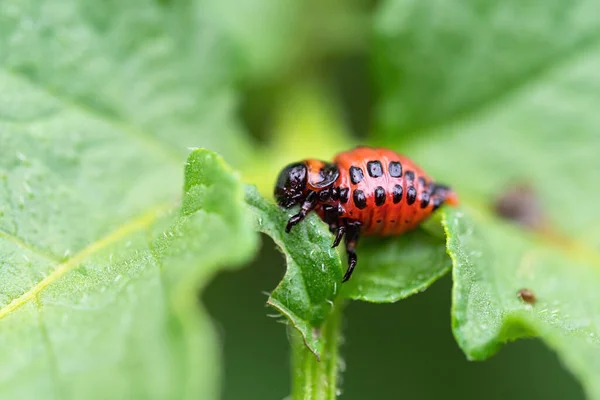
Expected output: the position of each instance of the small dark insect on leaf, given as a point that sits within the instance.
(527, 296)
(519, 203)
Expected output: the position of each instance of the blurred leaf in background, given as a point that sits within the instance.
(513, 103)
(441, 62)
(99, 103)
(160, 71)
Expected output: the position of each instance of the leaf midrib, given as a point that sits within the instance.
(166, 152)
(131, 226)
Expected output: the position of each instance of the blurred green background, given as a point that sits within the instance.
(313, 76)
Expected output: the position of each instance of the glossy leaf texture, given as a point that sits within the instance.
(529, 125)
(98, 104)
(313, 277)
(394, 268)
(75, 322)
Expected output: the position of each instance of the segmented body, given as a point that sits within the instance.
(385, 192)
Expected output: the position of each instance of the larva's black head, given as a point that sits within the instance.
(289, 189)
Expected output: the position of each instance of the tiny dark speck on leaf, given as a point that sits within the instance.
(520, 204)
(527, 296)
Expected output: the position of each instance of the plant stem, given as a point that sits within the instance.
(312, 379)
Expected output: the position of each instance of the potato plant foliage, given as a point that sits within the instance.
(128, 180)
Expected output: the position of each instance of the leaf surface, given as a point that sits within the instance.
(119, 316)
(313, 277)
(156, 71)
(438, 62)
(98, 106)
(394, 268)
(528, 121)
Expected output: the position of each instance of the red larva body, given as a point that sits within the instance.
(371, 191)
(407, 198)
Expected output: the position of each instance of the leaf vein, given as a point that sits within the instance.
(129, 227)
(21, 243)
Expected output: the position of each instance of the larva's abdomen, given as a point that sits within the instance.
(385, 191)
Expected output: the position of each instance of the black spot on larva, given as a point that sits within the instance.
(380, 196)
(359, 199)
(410, 176)
(424, 199)
(411, 194)
(395, 169)
(406, 221)
(393, 221)
(324, 194)
(344, 195)
(397, 193)
(335, 193)
(356, 175)
(374, 169)
(378, 221)
(437, 202)
(421, 181)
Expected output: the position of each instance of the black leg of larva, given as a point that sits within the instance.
(352, 234)
(339, 234)
(295, 220)
(307, 206)
(351, 264)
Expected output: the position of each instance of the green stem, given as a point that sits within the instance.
(312, 379)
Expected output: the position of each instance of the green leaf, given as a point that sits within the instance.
(314, 272)
(531, 121)
(76, 325)
(98, 104)
(437, 62)
(493, 261)
(156, 70)
(394, 268)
